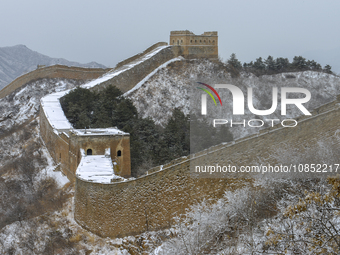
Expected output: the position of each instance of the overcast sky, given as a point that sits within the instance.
(110, 31)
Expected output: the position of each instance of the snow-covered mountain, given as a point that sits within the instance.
(172, 86)
(21, 148)
(17, 60)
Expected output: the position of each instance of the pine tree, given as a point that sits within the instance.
(234, 62)
(270, 64)
(282, 64)
(299, 63)
(328, 69)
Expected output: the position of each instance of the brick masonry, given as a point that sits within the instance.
(150, 202)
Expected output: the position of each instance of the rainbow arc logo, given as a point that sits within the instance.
(209, 93)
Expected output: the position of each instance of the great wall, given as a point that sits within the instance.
(55, 71)
(119, 207)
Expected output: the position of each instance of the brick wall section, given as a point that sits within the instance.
(150, 202)
(147, 203)
(59, 148)
(55, 71)
(128, 79)
(126, 61)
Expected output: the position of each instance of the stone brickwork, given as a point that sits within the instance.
(55, 71)
(151, 201)
(195, 46)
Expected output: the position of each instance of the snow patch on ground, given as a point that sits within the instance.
(51, 171)
(139, 84)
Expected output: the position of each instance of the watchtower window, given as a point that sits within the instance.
(89, 152)
(119, 153)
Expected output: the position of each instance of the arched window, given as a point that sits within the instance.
(89, 152)
(190, 41)
(119, 153)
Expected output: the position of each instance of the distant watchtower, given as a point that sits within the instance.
(195, 46)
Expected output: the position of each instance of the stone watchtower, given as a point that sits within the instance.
(195, 46)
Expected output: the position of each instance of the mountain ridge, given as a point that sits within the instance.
(19, 59)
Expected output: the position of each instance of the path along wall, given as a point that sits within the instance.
(59, 147)
(150, 202)
(55, 71)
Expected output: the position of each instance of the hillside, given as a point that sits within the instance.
(18, 60)
(55, 230)
(170, 87)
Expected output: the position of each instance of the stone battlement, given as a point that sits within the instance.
(195, 46)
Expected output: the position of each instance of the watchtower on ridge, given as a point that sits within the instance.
(195, 46)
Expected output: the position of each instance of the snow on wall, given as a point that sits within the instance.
(97, 168)
(51, 103)
(124, 68)
(53, 114)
